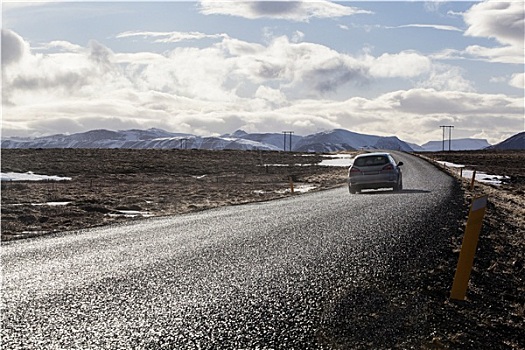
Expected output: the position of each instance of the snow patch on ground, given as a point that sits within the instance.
(340, 160)
(480, 176)
(30, 176)
(298, 189)
(52, 204)
(132, 214)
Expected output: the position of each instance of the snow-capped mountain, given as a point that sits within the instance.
(326, 141)
(91, 139)
(456, 145)
(274, 139)
(339, 139)
(135, 139)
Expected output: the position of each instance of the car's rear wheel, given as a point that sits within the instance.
(351, 189)
(399, 186)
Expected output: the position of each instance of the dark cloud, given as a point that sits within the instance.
(272, 8)
(329, 79)
(288, 10)
(332, 80)
(99, 53)
(269, 71)
(65, 80)
(13, 47)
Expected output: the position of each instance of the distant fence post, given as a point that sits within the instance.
(291, 184)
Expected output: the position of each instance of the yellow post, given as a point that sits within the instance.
(472, 181)
(468, 248)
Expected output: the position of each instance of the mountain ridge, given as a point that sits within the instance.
(465, 144)
(325, 141)
(515, 142)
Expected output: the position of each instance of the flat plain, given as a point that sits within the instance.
(114, 185)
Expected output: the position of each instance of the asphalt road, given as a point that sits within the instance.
(286, 274)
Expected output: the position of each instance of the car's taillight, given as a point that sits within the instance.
(353, 171)
(388, 167)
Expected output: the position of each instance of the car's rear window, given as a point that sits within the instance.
(371, 161)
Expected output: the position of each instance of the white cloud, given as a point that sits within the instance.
(63, 46)
(499, 79)
(14, 4)
(298, 36)
(518, 80)
(502, 21)
(430, 26)
(300, 11)
(433, 5)
(39, 78)
(502, 54)
(446, 78)
(237, 84)
(430, 101)
(404, 64)
(171, 37)
(273, 96)
(417, 113)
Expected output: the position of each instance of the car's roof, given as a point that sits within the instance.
(373, 154)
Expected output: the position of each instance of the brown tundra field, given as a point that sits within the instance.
(109, 186)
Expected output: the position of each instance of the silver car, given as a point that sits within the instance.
(373, 171)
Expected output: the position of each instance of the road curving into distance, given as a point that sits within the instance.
(306, 272)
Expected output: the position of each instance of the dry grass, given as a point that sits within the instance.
(153, 182)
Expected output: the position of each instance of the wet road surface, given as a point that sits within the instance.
(266, 275)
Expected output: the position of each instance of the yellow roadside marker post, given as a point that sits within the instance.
(472, 181)
(468, 248)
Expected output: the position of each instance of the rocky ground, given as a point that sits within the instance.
(110, 186)
(493, 314)
(113, 185)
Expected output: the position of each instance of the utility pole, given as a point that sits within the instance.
(290, 145)
(449, 127)
(450, 137)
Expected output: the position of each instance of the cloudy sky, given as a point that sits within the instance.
(212, 67)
